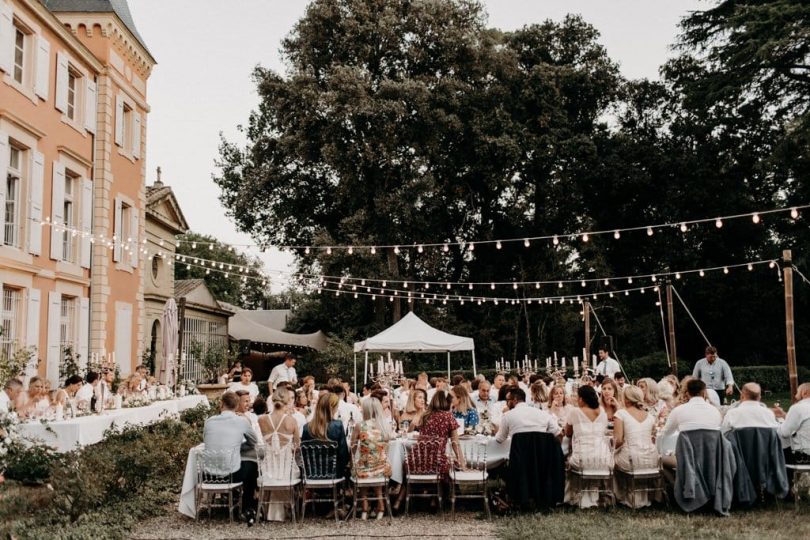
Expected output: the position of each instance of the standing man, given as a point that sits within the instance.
(607, 366)
(714, 371)
(284, 372)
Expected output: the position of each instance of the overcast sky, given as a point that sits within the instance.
(206, 50)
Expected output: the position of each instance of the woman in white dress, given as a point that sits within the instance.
(587, 426)
(281, 438)
(633, 438)
(244, 383)
(36, 401)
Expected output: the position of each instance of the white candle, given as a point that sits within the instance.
(555, 358)
(548, 362)
(563, 362)
(593, 357)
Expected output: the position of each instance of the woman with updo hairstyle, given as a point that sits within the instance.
(280, 433)
(539, 392)
(650, 389)
(587, 426)
(633, 439)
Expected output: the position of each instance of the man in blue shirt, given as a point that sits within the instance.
(714, 371)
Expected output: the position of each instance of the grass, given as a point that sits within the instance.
(768, 522)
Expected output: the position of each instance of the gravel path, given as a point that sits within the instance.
(419, 525)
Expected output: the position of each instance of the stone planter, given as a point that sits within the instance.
(212, 391)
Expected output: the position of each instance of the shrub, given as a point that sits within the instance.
(30, 463)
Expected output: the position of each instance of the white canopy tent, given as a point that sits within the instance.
(412, 334)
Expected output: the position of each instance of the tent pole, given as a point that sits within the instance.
(475, 373)
(365, 370)
(448, 367)
(355, 373)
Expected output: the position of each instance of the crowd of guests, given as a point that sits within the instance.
(628, 425)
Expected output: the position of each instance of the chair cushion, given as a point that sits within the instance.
(220, 487)
(797, 466)
(423, 477)
(643, 472)
(329, 482)
(374, 480)
(469, 476)
(277, 483)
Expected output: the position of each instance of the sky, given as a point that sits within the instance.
(207, 49)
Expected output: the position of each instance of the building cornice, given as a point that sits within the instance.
(55, 25)
(22, 124)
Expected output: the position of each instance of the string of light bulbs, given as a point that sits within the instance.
(584, 235)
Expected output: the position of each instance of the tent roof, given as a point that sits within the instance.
(414, 335)
(248, 325)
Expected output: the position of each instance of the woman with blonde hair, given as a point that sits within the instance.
(415, 409)
(370, 444)
(650, 389)
(279, 431)
(325, 427)
(610, 398)
(539, 392)
(463, 408)
(35, 402)
(633, 439)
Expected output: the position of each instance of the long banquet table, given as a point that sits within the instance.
(67, 435)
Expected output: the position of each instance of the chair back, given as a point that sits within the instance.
(426, 456)
(594, 454)
(759, 452)
(216, 466)
(319, 459)
(475, 454)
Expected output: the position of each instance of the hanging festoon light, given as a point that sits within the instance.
(750, 267)
(351, 250)
(617, 235)
(725, 269)
(560, 285)
(630, 280)
(420, 248)
(677, 275)
(373, 250)
(794, 213)
(701, 273)
(498, 245)
(514, 286)
(583, 283)
(306, 250)
(492, 286)
(585, 237)
(755, 218)
(329, 250)
(526, 242)
(211, 247)
(555, 240)
(445, 248)
(718, 223)
(607, 282)
(650, 231)
(396, 250)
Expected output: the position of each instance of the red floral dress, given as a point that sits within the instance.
(439, 425)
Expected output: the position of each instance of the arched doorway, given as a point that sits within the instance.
(154, 343)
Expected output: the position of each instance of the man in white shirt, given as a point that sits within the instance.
(497, 383)
(8, 397)
(87, 391)
(284, 372)
(795, 431)
(481, 399)
(607, 366)
(697, 413)
(750, 412)
(346, 411)
(523, 419)
(441, 385)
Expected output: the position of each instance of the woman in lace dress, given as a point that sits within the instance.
(280, 433)
(370, 442)
(35, 402)
(633, 438)
(587, 427)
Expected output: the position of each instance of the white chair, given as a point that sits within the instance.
(369, 483)
(799, 470)
(595, 468)
(215, 481)
(289, 484)
(649, 471)
(463, 484)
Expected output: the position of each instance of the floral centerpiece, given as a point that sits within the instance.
(136, 400)
(484, 426)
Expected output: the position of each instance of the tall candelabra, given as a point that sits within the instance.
(388, 374)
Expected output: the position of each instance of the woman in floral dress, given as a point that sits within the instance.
(439, 423)
(370, 442)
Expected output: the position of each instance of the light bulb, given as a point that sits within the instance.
(373, 250)
(718, 223)
(771, 264)
(560, 285)
(537, 285)
(427, 285)
(420, 248)
(470, 286)
(583, 283)
(194, 245)
(794, 213)
(630, 280)
(405, 285)
(492, 286)
(617, 235)
(585, 237)
(396, 250)
(514, 286)
(448, 286)
(385, 284)
(611, 294)
(649, 231)
(210, 247)
(472, 246)
(725, 269)
(627, 293)
(642, 290)
(702, 273)
(363, 282)
(654, 279)
(445, 248)
(329, 251)
(607, 281)
(306, 251)
(526, 242)
(555, 240)
(755, 218)
(498, 244)
(351, 250)
(750, 267)
(677, 275)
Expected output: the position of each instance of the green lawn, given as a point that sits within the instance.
(769, 523)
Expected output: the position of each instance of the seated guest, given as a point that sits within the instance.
(299, 418)
(281, 437)
(633, 440)
(401, 394)
(346, 411)
(481, 399)
(610, 399)
(235, 373)
(439, 385)
(497, 383)
(697, 413)
(650, 389)
(498, 408)
(302, 404)
(371, 442)
(422, 381)
(104, 392)
(229, 432)
(620, 380)
(539, 394)
(462, 406)
(795, 431)
(85, 394)
(456, 380)
(439, 423)
(309, 388)
(557, 404)
(35, 402)
(522, 419)
(587, 426)
(10, 394)
(750, 412)
(72, 385)
(325, 426)
(131, 388)
(244, 383)
(144, 373)
(415, 409)
(389, 413)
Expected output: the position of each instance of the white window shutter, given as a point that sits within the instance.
(117, 251)
(134, 245)
(119, 120)
(35, 195)
(6, 36)
(136, 135)
(90, 105)
(32, 326)
(84, 330)
(53, 353)
(61, 81)
(4, 158)
(57, 210)
(87, 222)
(42, 83)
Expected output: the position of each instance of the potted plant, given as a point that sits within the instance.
(212, 361)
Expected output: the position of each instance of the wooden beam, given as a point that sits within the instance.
(673, 355)
(787, 269)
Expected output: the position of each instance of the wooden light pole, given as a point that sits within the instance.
(787, 268)
(586, 312)
(673, 356)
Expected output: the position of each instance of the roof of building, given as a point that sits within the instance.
(155, 194)
(182, 287)
(119, 7)
(228, 306)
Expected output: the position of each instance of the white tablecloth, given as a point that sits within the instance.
(67, 435)
(187, 496)
(496, 453)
